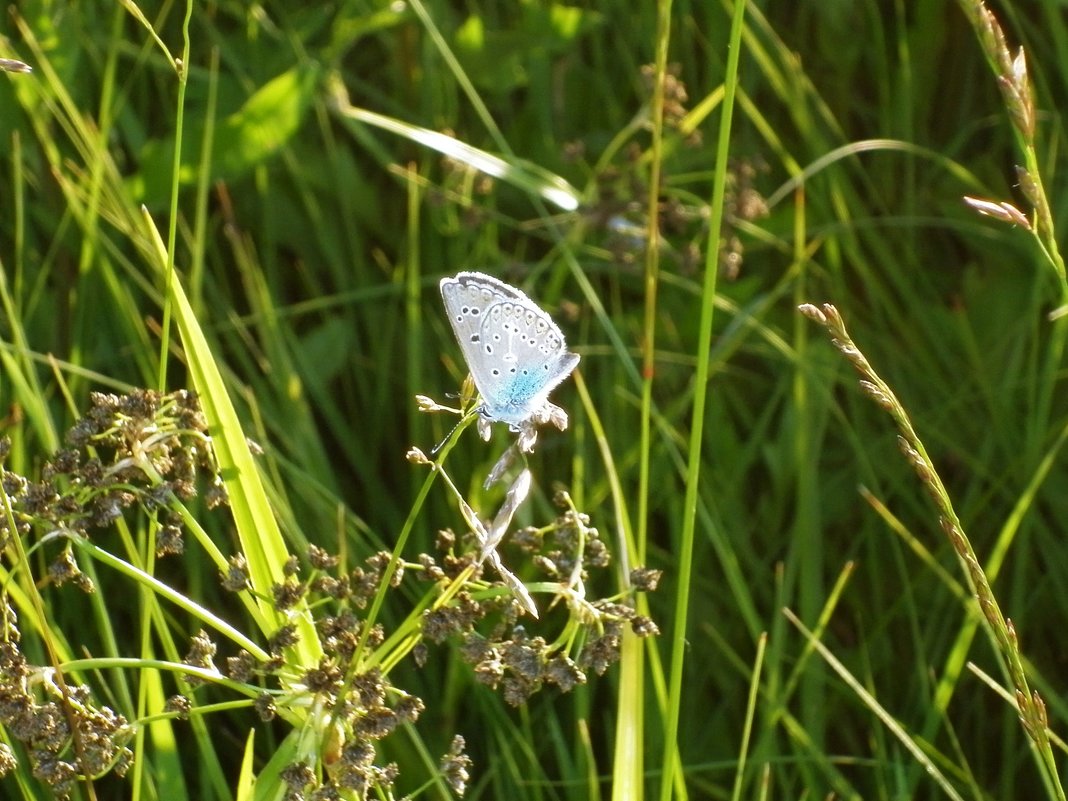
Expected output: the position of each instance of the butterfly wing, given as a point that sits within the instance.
(467, 299)
(514, 350)
(529, 358)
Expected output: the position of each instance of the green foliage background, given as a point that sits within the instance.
(310, 244)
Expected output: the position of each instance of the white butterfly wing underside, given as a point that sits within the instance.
(514, 350)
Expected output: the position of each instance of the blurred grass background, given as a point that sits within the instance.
(311, 243)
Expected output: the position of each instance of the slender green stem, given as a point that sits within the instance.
(697, 427)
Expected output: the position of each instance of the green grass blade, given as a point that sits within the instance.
(257, 529)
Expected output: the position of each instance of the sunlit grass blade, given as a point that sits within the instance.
(257, 529)
(522, 174)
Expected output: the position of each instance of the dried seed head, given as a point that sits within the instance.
(265, 707)
(645, 579)
(7, 759)
(1003, 210)
(180, 705)
(297, 775)
(169, 541)
(456, 765)
(287, 594)
(813, 313)
(320, 559)
(241, 667)
(416, 456)
(285, 637)
(564, 673)
(236, 578)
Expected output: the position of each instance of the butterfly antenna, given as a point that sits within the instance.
(463, 421)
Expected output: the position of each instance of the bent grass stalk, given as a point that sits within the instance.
(1030, 706)
(1017, 93)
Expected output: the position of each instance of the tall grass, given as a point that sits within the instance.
(257, 203)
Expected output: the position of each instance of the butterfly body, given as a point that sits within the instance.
(514, 350)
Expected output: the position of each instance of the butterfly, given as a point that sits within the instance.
(514, 350)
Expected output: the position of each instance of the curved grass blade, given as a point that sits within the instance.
(518, 172)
